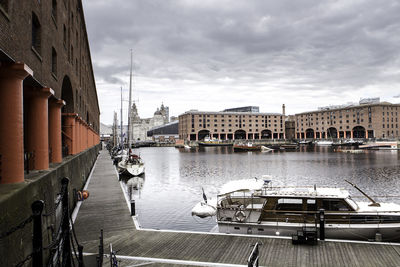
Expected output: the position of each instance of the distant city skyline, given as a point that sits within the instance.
(213, 55)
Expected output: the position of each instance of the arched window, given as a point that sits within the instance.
(53, 61)
(54, 9)
(4, 5)
(36, 33)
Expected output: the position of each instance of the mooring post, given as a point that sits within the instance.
(80, 252)
(37, 240)
(133, 211)
(101, 250)
(66, 254)
(321, 224)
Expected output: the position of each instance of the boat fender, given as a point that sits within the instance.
(240, 216)
(82, 195)
(85, 194)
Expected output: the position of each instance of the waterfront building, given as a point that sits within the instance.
(253, 109)
(140, 127)
(45, 71)
(164, 133)
(370, 118)
(196, 125)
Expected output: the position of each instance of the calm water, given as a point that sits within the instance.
(174, 178)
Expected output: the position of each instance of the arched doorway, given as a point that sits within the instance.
(266, 134)
(358, 132)
(332, 132)
(67, 95)
(203, 134)
(309, 133)
(240, 134)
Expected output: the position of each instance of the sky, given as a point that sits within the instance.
(211, 55)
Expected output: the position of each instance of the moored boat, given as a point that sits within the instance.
(131, 166)
(256, 207)
(214, 142)
(246, 147)
(323, 143)
(381, 145)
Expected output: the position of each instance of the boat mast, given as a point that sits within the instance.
(130, 105)
(374, 203)
(122, 132)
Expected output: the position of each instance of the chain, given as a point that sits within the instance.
(57, 236)
(51, 213)
(61, 194)
(19, 226)
(21, 263)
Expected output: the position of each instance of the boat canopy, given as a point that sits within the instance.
(242, 185)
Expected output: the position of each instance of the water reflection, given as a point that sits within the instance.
(174, 177)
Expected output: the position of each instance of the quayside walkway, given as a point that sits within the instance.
(107, 209)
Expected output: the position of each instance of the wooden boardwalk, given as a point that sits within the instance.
(106, 208)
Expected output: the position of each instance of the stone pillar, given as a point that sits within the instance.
(76, 139)
(37, 114)
(11, 122)
(366, 134)
(351, 134)
(70, 132)
(315, 135)
(55, 143)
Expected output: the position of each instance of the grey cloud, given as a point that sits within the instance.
(325, 46)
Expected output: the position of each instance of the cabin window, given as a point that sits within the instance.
(292, 204)
(311, 205)
(334, 205)
(236, 228)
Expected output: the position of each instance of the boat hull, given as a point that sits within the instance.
(246, 148)
(389, 232)
(214, 144)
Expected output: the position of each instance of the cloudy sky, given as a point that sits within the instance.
(215, 54)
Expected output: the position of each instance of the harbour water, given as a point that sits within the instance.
(175, 177)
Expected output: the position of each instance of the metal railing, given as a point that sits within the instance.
(59, 249)
(254, 258)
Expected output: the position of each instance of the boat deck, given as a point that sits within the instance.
(107, 209)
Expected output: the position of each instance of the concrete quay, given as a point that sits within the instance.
(107, 209)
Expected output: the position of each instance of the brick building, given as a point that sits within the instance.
(45, 71)
(366, 120)
(196, 125)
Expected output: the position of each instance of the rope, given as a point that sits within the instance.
(15, 228)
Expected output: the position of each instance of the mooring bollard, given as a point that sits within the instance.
(321, 224)
(37, 240)
(133, 211)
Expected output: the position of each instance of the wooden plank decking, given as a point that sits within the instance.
(106, 208)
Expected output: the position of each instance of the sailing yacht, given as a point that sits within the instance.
(131, 164)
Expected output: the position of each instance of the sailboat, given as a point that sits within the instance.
(132, 164)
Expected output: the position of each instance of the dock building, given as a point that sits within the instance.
(227, 125)
(49, 119)
(370, 118)
(48, 99)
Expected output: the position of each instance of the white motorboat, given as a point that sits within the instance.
(205, 209)
(256, 207)
(266, 149)
(323, 143)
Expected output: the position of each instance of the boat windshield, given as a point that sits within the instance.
(352, 203)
